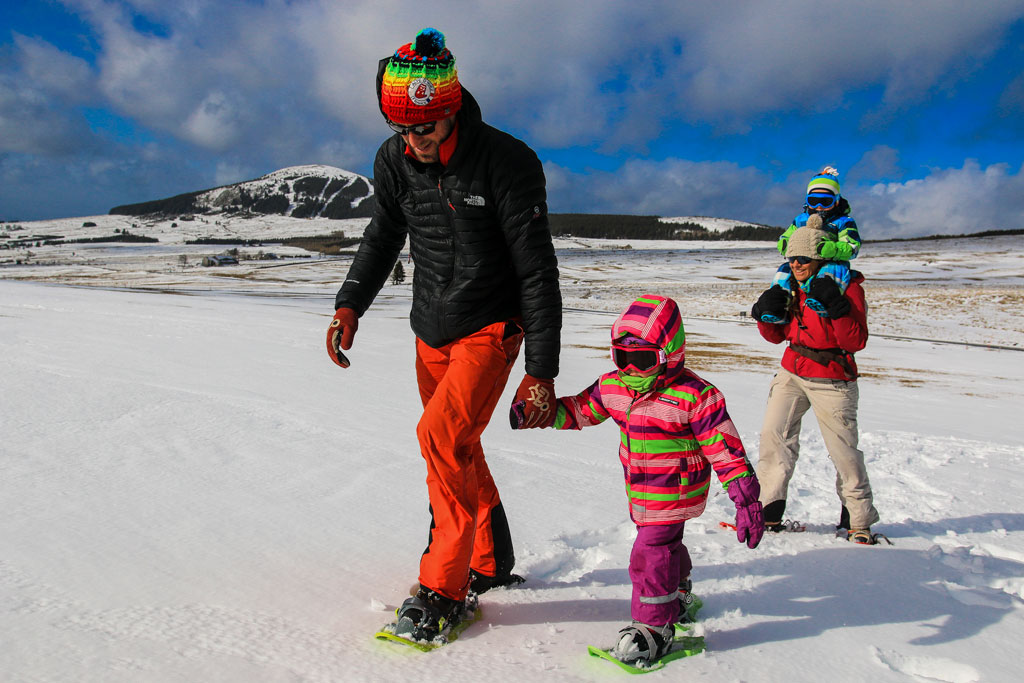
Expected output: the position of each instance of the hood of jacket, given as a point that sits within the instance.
(657, 320)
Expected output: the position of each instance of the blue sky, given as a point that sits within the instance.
(661, 107)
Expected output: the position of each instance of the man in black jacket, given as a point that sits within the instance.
(472, 201)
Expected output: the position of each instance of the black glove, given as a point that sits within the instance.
(826, 291)
(772, 305)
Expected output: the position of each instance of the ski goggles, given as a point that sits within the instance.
(419, 128)
(640, 359)
(823, 200)
(802, 260)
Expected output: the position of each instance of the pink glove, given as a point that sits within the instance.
(744, 492)
(340, 333)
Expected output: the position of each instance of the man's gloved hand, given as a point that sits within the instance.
(534, 404)
(773, 303)
(826, 292)
(744, 492)
(828, 249)
(340, 333)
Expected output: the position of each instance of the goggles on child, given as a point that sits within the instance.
(637, 358)
(824, 200)
(419, 129)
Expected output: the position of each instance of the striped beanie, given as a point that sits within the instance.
(826, 182)
(420, 83)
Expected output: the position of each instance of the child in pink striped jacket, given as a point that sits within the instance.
(675, 430)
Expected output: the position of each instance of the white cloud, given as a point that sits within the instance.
(945, 202)
(213, 124)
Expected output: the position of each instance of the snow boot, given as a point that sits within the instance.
(642, 644)
(481, 583)
(773, 515)
(429, 615)
(688, 604)
(844, 519)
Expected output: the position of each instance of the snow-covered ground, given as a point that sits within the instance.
(191, 491)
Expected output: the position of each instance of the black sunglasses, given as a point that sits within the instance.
(802, 260)
(418, 129)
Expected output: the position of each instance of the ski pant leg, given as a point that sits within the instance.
(493, 554)
(460, 385)
(780, 436)
(835, 407)
(655, 568)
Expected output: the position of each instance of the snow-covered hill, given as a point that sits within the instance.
(710, 224)
(312, 191)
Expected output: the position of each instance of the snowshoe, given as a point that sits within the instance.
(673, 641)
(862, 536)
(481, 583)
(790, 525)
(429, 620)
(640, 644)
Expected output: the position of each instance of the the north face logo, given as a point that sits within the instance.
(475, 200)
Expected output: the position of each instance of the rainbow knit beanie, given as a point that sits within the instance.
(420, 83)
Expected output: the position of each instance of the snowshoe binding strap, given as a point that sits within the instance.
(788, 525)
(863, 536)
(642, 644)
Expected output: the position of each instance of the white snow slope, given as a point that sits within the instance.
(191, 491)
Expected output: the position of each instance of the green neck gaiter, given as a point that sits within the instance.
(641, 385)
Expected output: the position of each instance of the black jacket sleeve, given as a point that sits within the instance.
(523, 214)
(381, 245)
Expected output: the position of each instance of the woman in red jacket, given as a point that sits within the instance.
(818, 372)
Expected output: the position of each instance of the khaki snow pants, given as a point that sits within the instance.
(835, 406)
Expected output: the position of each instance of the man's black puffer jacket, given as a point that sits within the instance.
(479, 237)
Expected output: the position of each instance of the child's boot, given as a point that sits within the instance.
(642, 643)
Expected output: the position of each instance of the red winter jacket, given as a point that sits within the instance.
(807, 328)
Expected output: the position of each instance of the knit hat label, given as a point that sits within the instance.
(421, 91)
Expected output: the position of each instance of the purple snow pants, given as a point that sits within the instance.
(658, 566)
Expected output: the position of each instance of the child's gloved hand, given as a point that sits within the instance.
(828, 249)
(744, 492)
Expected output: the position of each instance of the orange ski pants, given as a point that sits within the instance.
(460, 384)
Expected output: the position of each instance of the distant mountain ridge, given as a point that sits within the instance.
(312, 191)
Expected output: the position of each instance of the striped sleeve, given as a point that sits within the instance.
(719, 441)
(582, 410)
